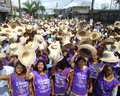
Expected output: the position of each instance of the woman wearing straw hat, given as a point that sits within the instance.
(41, 82)
(81, 77)
(62, 78)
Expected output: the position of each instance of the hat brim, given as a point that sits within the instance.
(24, 60)
(110, 59)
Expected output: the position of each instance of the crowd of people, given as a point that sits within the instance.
(59, 57)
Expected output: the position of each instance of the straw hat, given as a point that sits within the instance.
(72, 22)
(109, 41)
(13, 25)
(2, 55)
(54, 46)
(95, 35)
(13, 37)
(118, 47)
(42, 46)
(117, 24)
(2, 38)
(112, 47)
(87, 50)
(83, 34)
(39, 38)
(109, 56)
(19, 30)
(86, 41)
(7, 30)
(49, 31)
(55, 51)
(15, 48)
(68, 46)
(27, 56)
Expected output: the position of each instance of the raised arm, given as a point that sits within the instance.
(5, 77)
(72, 64)
(29, 76)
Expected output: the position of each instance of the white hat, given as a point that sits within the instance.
(109, 56)
(27, 55)
(15, 48)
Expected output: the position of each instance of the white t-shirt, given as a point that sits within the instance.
(3, 83)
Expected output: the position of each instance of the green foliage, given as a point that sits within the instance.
(33, 7)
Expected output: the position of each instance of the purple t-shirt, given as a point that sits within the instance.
(42, 84)
(104, 87)
(19, 86)
(61, 81)
(80, 81)
(94, 68)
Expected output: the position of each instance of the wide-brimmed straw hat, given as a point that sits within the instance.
(2, 38)
(83, 34)
(112, 47)
(68, 46)
(13, 25)
(87, 50)
(7, 31)
(2, 55)
(15, 48)
(86, 41)
(19, 30)
(27, 56)
(95, 35)
(109, 56)
(117, 24)
(39, 38)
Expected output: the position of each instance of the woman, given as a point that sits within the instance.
(41, 82)
(62, 76)
(82, 84)
(18, 86)
(95, 67)
(106, 83)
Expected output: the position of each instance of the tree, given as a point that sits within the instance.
(91, 13)
(33, 7)
(20, 12)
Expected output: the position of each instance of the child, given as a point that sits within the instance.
(61, 79)
(81, 80)
(18, 86)
(106, 83)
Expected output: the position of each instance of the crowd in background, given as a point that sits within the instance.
(59, 57)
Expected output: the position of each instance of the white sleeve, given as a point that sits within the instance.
(114, 93)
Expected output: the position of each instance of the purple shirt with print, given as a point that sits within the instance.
(61, 81)
(42, 84)
(104, 87)
(80, 81)
(19, 86)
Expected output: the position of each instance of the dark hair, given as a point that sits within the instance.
(80, 58)
(40, 61)
(106, 66)
(63, 63)
(24, 68)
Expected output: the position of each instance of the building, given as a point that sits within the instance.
(5, 9)
(106, 16)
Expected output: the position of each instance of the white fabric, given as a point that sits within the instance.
(3, 83)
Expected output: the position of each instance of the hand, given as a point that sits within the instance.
(76, 53)
(90, 90)
(52, 93)
(67, 93)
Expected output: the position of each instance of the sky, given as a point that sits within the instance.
(51, 4)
